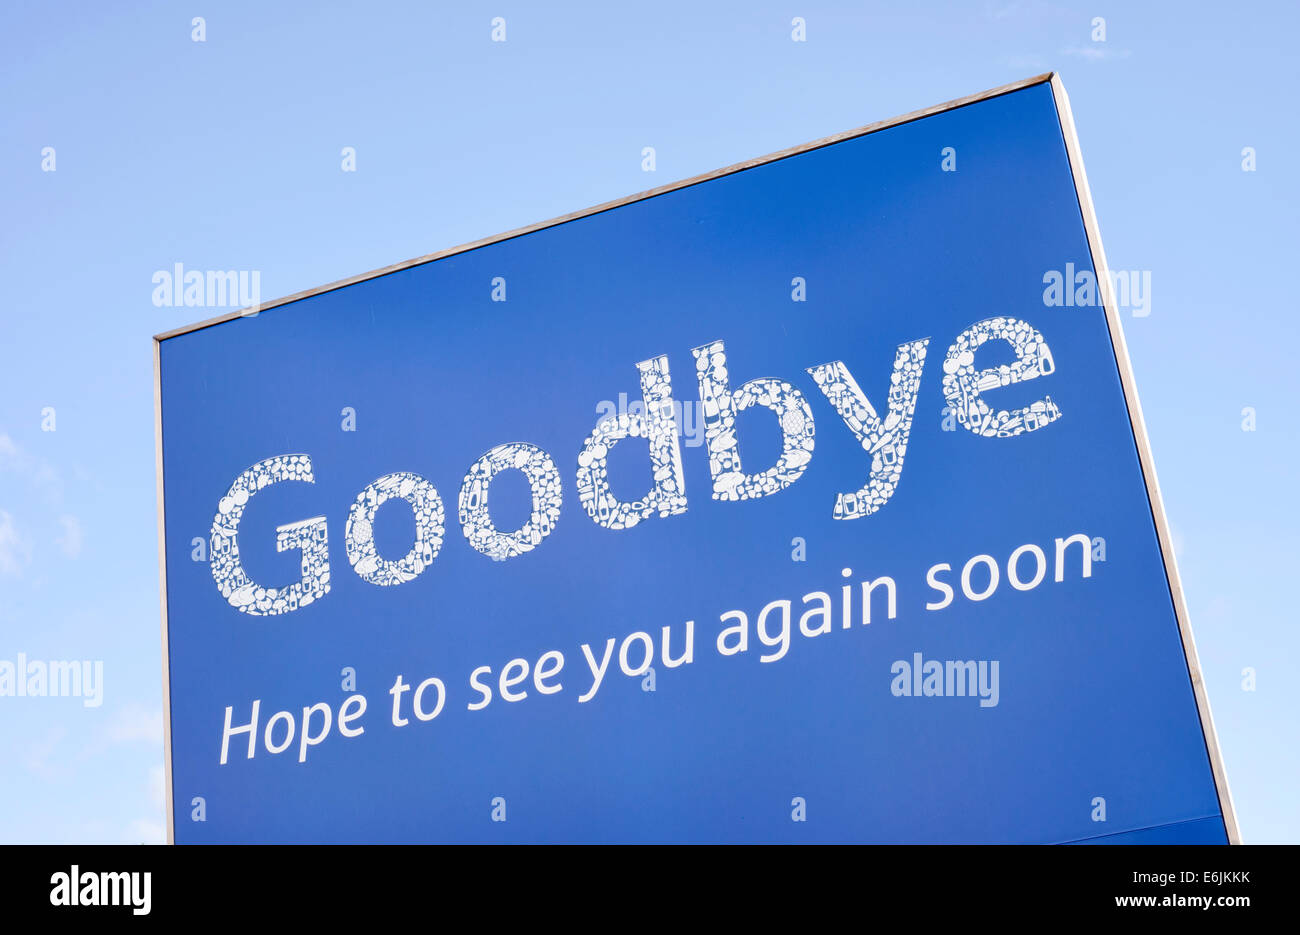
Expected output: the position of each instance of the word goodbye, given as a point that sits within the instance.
(883, 438)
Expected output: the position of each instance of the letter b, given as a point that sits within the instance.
(720, 405)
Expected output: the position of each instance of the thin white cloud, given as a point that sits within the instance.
(999, 11)
(130, 724)
(1096, 52)
(14, 459)
(1026, 62)
(15, 548)
(32, 479)
(136, 723)
(70, 541)
(1026, 10)
(38, 758)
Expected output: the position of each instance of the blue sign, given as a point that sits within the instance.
(805, 501)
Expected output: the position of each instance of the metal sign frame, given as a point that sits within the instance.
(1123, 365)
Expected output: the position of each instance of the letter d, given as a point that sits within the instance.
(659, 428)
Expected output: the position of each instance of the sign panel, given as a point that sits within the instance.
(804, 501)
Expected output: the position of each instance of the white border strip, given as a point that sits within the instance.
(162, 588)
(1144, 453)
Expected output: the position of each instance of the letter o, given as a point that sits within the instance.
(993, 577)
(1039, 557)
(649, 653)
(270, 725)
(544, 484)
(419, 691)
(360, 534)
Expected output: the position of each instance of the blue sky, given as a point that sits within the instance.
(226, 154)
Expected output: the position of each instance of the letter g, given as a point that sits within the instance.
(309, 535)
